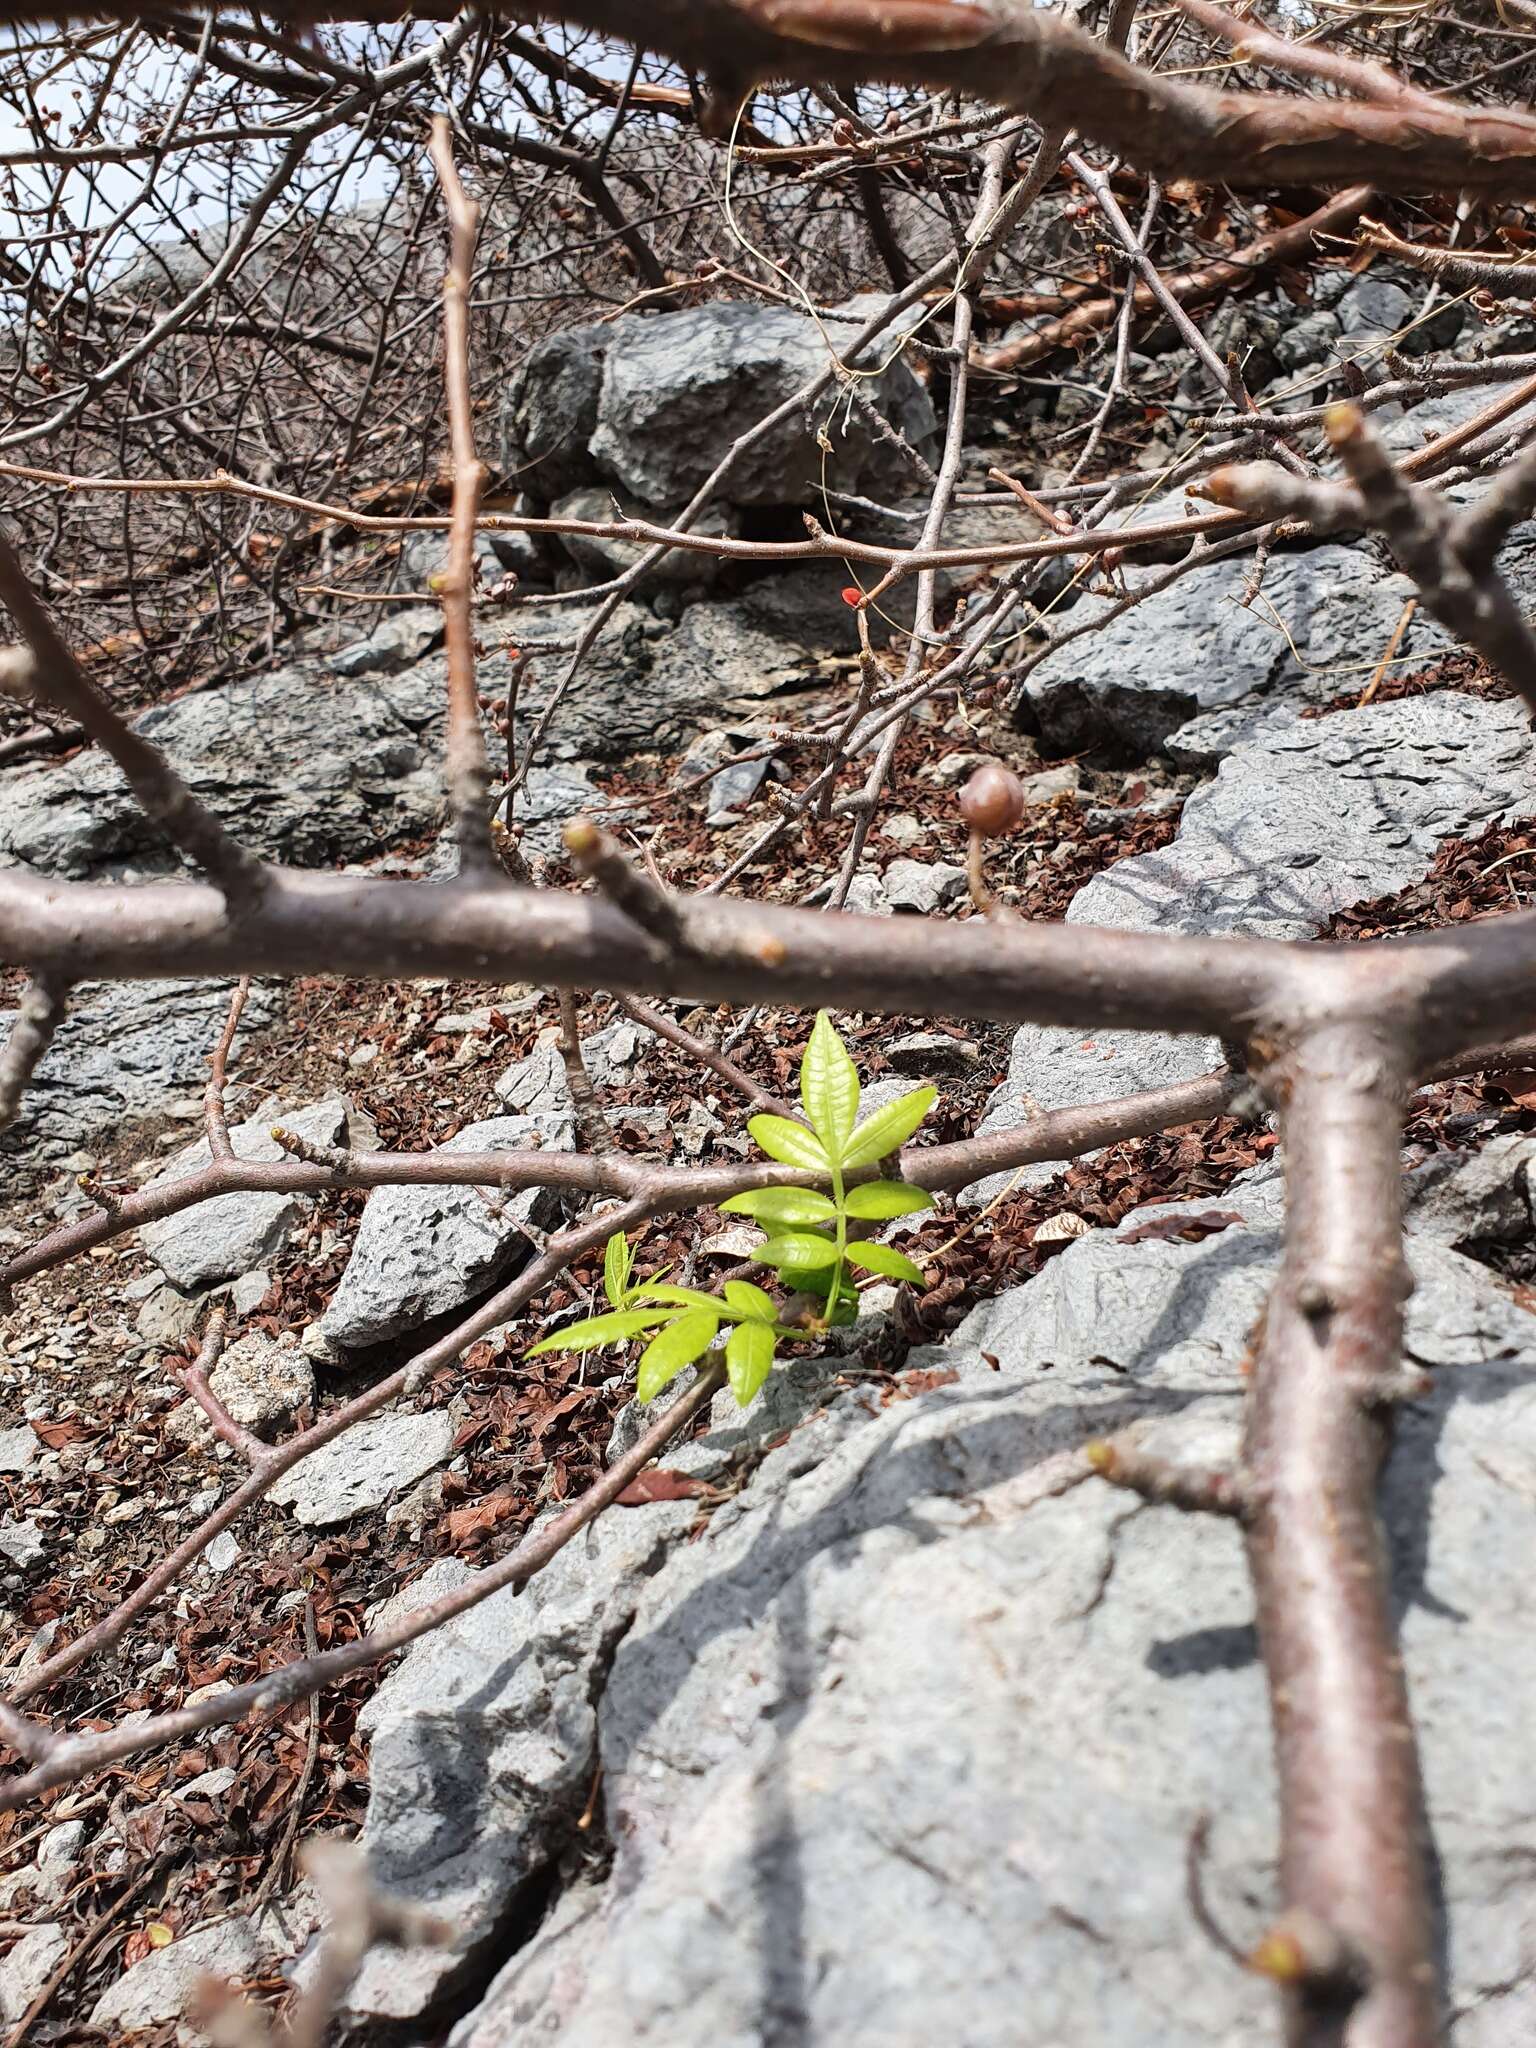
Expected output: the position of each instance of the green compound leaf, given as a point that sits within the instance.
(829, 1085)
(881, 1258)
(878, 1200)
(617, 1266)
(799, 1253)
(887, 1128)
(678, 1345)
(612, 1329)
(791, 1144)
(749, 1301)
(680, 1297)
(748, 1359)
(782, 1205)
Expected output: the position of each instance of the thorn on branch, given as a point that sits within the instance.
(1193, 1489)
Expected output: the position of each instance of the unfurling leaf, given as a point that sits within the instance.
(782, 1205)
(748, 1359)
(612, 1329)
(791, 1144)
(750, 1301)
(881, 1258)
(676, 1346)
(616, 1269)
(878, 1200)
(887, 1128)
(797, 1251)
(829, 1086)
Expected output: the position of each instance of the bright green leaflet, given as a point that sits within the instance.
(808, 1239)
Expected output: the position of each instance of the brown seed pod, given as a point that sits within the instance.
(992, 802)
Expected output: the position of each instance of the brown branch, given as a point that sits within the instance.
(214, 1118)
(1188, 288)
(1352, 1822)
(590, 1118)
(468, 773)
(39, 1013)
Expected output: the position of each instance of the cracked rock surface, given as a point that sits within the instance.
(1311, 817)
(910, 1739)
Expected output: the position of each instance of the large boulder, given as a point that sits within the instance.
(301, 767)
(652, 404)
(921, 1672)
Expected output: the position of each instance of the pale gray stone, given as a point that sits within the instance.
(27, 1968)
(164, 1986)
(421, 1251)
(262, 1382)
(18, 1447)
(921, 887)
(226, 1236)
(375, 1458)
(23, 1541)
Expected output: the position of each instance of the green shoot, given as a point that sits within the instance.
(808, 1242)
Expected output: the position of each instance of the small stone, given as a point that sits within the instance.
(18, 1447)
(22, 1542)
(917, 888)
(363, 1055)
(927, 1052)
(375, 1458)
(262, 1382)
(904, 829)
(28, 1968)
(222, 1552)
(166, 1984)
(250, 1291)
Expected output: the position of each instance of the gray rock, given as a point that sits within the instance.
(1475, 1199)
(125, 1051)
(398, 642)
(168, 1315)
(550, 412)
(650, 687)
(22, 1540)
(483, 1738)
(299, 766)
(1311, 339)
(219, 1239)
(421, 1251)
(18, 1447)
(28, 1967)
(250, 1291)
(1372, 309)
(376, 1457)
(601, 560)
(1316, 815)
(262, 1382)
(922, 887)
(164, 1986)
(679, 388)
(1195, 648)
(914, 1676)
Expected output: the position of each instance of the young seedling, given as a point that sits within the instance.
(808, 1244)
